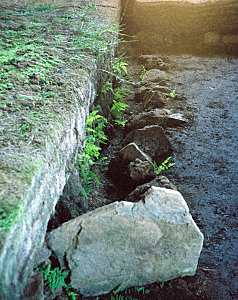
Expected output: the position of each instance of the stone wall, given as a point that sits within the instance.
(20, 244)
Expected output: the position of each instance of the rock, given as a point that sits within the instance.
(42, 255)
(160, 88)
(118, 172)
(139, 191)
(148, 88)
(152, 140)
(141, 171)
(129, 244)
(151, 97)
(154, 62)
(176, 120)
(161, 117)
(132, 152)
(166, 183)
(126, 174)
(35, 288)
(155, 75)
(140, 93)
(73, 186)
(155, 99)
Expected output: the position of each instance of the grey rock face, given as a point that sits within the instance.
(139, 192)
(130, 167)
(132, 152)
(129, 244)
(155, 75)
(152, 140)
(161, 117)
(141, 170)
(36, 197)
(154, 62)
(35, 288)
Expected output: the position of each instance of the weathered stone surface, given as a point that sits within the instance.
(139, 192)
(130, 167)
(33, 173)
(155, 99)
(154, 62)
(130, 244)
(230, 40)
(132, 152)
(42, 255)
(152, 140)
(180, 26)
(152, 95)
(141, 170)
(35, 288)
(155, 75)
(161, 117)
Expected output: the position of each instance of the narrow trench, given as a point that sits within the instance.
(205, 171)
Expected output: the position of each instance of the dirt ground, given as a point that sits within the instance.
(205, 173)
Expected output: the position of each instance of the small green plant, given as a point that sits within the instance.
(72, 295)
(107, 88)
(142, 290)
(96, 125)
(95, 129)
(24, 128)
(119, 106)
(172, 94)
(119, 93)
(142, 72)
(118, 109)
(164, 166)
(119, 67)
(54, 278)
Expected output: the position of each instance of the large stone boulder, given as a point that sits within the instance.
(129, 244)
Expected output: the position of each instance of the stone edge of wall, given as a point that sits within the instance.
(26, 237)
